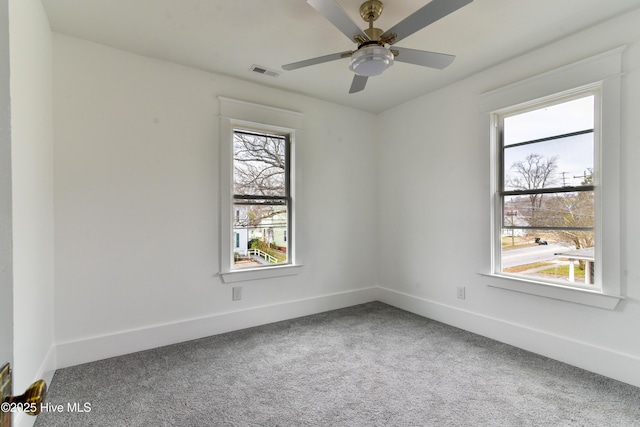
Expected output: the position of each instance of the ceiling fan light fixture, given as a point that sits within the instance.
(371, 60)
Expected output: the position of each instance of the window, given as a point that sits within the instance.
(261, 198)
(258, 233)
(546, 189)
(562, 120)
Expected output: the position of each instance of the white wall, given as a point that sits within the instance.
(439, 157)
(32, 174)
(136, 205)
(6, 257)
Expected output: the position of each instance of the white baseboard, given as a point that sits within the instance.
(45, 371)
(603, 361)
(125, 342)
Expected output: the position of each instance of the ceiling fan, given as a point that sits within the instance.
(374, 54)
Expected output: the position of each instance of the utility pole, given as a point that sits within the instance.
(511, 215)
(584, 176)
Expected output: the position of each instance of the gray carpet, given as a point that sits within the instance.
(369, 365)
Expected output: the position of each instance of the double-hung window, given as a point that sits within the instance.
(261, 198)
(258, 199)
(547, 189)
(555, 182)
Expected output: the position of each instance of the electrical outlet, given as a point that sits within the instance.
(237, 293)
(461, 292)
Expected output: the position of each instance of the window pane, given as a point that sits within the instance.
(556, 163)
(566, 210)
(261, 231)
(259, 164)
(549, 255)
(559, 119)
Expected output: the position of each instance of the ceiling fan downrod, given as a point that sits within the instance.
(371, 11)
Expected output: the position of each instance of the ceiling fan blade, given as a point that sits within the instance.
(318, 60)
(422, 57)
(424, 16)
(339, 18)
(358, 83)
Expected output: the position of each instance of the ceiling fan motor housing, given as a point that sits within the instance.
(371, 60)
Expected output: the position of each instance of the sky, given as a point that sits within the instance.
(575, 155)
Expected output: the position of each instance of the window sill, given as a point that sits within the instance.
(559, 292)
(260, 273)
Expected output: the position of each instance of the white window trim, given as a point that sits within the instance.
(247, 115)
(603, 71)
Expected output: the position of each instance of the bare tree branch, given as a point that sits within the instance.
(259, 165)
(532, 173)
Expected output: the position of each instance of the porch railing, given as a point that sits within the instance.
(269, 258)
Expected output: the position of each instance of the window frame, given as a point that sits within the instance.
(242, 115)
(533, 105)
(599, 72)
(286, 198)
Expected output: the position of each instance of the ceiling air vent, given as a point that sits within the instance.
(264, 70)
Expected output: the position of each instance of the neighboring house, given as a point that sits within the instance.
(273, 229)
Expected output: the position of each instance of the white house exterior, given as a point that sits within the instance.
(273, 229)
(240, 241)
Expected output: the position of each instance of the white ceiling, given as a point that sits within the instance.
(229, 36)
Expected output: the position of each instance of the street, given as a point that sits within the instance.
(531, 254)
